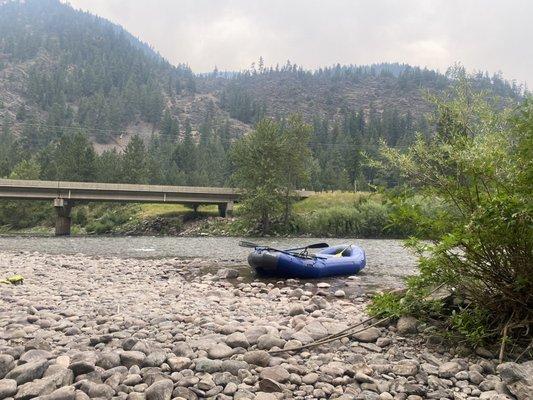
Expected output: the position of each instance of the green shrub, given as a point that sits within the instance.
(98, 227)
(22, 214)
(366, 219)
(472, 324)
(107, 219)
(480, 164)
(79, 216)
(416, 215)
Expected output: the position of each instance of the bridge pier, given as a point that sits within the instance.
(63, 219)
(225, 209)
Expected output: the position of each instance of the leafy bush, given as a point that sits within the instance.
(79, 216)
(414, 215)
(110, 219)
(480, 163)
(368, 219)
(472, 324)
(364, 217)
(25, 213)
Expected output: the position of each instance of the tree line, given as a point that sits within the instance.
(177, 155)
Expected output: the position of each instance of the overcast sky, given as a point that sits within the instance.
(487, 35)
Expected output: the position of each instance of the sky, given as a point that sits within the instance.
(482, 35)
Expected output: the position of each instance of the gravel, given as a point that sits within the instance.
(100, 327)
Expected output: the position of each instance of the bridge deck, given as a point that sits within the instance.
(87, 191)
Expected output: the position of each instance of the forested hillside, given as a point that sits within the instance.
(82, 99)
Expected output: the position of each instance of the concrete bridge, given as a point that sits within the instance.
(65, 194)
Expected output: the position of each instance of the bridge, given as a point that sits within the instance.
(65, 194)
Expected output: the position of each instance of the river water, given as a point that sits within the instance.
(388, 262)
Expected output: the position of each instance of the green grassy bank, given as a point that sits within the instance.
(334, 214)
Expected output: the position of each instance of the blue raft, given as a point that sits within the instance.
(332, 261)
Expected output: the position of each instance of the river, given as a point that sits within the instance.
(388, 262)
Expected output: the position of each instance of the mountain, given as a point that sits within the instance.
(64, 71)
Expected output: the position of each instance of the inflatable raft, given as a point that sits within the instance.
(332, 261)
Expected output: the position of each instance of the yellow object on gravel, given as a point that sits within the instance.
(13, 280)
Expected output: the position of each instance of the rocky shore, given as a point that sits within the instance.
(109, 328)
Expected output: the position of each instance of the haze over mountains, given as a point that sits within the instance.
(81, 99)
(63, 67)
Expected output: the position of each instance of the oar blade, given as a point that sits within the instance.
(318, 246)
(244, 243)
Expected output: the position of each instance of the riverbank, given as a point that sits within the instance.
(156, 329)
(332, 214)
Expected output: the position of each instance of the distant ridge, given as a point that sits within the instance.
(61, 67)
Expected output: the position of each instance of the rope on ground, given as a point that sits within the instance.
(331, 339)
(345, 332)
(333, 335)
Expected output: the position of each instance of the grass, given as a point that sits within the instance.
(332, 199)
(342, 214)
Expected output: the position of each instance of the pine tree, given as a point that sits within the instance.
(134, 162)
(75, 158)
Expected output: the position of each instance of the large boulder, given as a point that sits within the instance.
(131, 358)
(277, 373)
(228, 273)
(296, 309)
(206, 365)
(155, 358)
(36, 388)
(449, 369)
(28, 372)
(253, 333)
(8, 387)
(405, 368)
(35, 355)
(407, 324)
(160, 390)
(96, 390)
(315, 329)
(369, 335)
(108, 360)
(234, 366)
(182, 349)
(178, 363)
(60, 375)
(266, 342)
(237, 339)
(64, 393)
(219, 351)
(518, 378)
(7, 363)
(257, 357)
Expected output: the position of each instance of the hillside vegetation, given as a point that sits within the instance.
(72, 82)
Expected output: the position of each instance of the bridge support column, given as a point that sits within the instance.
(226, 209)
(63, 219)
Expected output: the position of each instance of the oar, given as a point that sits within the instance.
(339, 254)
(288, 252)
(244, 243)
(311, 246)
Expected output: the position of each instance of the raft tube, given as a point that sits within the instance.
(325, 263)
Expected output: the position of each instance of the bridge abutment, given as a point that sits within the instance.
(63, 219)
(225, 209)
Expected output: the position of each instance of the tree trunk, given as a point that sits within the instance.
(265, 224)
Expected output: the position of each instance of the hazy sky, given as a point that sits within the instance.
(492, 35)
